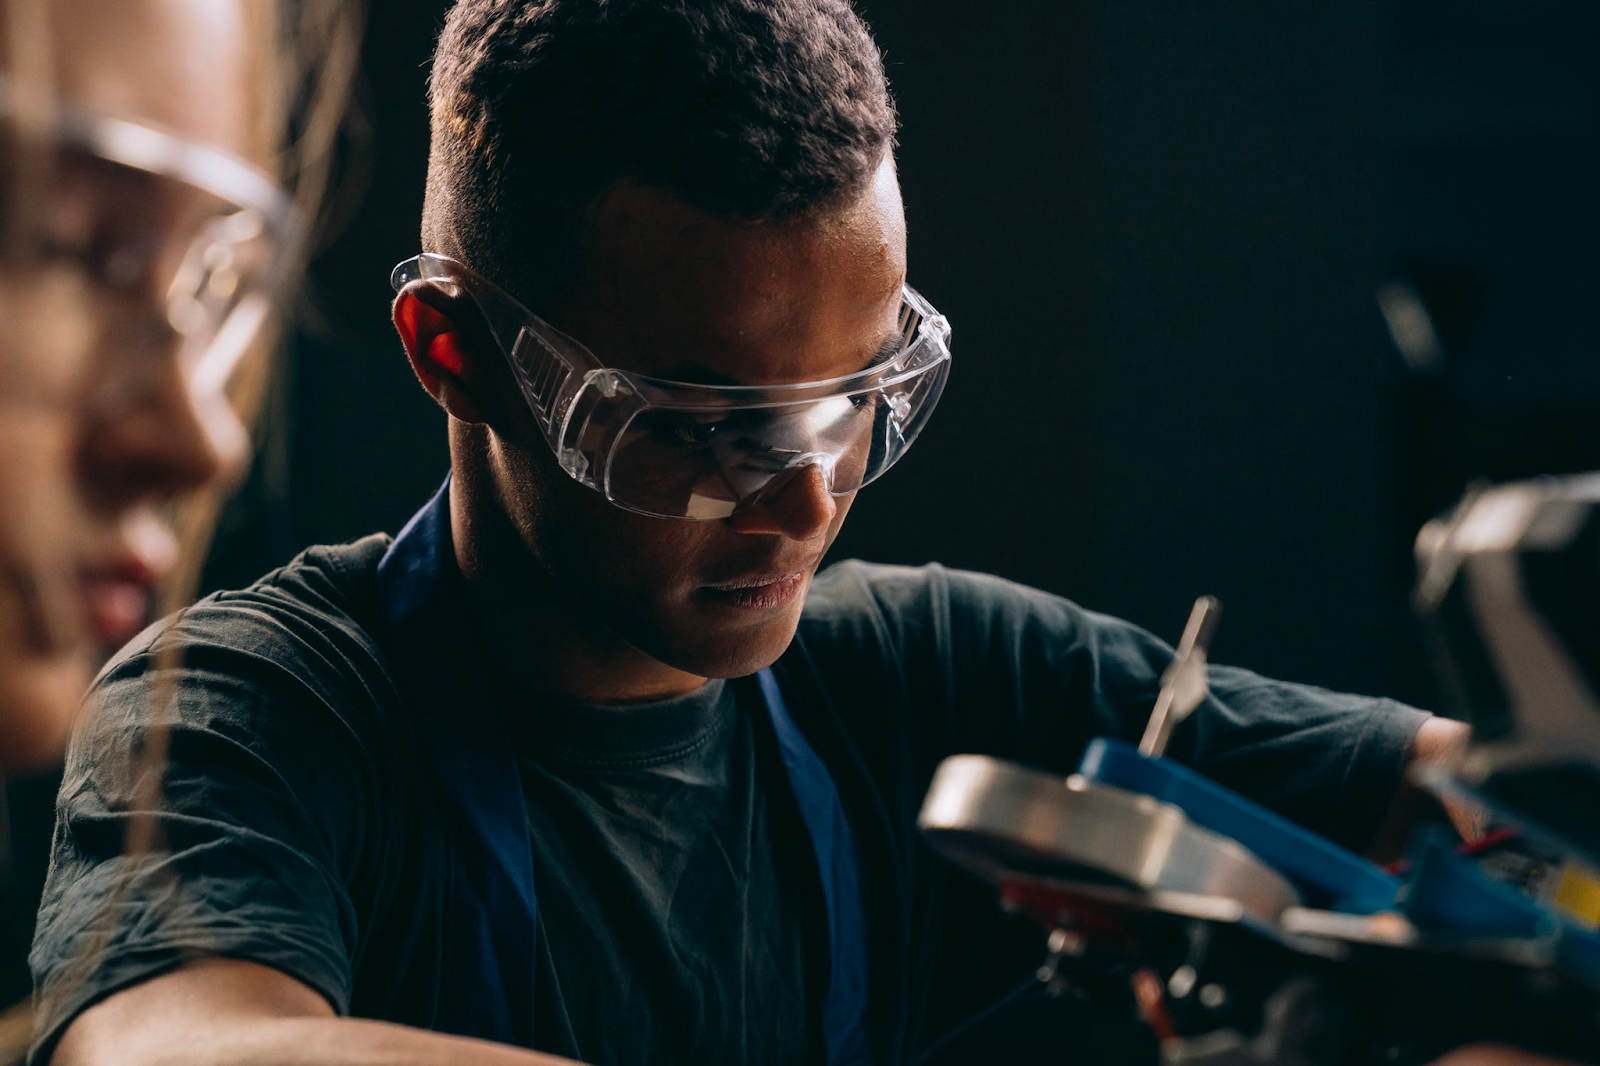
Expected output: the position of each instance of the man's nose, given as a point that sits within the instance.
(797, 505)
(158, 438)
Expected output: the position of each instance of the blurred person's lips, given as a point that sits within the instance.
(117, 596)
(119, 571)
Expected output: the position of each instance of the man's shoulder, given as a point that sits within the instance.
(971, 629)
(320, 607)
(853, 594)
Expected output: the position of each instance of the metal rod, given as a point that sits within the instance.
(1184, 685)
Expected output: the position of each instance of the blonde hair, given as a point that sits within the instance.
(298, 110)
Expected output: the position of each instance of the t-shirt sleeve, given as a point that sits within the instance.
(993, 667)
(257, 828)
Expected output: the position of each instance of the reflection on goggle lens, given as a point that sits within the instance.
(221, 295)
(678, 463)
(227, 252)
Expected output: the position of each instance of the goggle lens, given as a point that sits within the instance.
(708, 464)
(221, 294)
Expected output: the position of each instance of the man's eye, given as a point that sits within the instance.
(698, 434)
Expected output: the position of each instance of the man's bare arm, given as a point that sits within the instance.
(1440, 739)
(223, 1012)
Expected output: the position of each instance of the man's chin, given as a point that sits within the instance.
(730, 641)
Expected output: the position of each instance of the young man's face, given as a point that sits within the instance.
(673, 292)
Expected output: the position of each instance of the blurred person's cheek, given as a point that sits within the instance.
(45, 650)
(39, 700)
(44, 647)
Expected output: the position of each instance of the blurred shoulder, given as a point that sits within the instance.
(263, 669)
(326, 595)
(309, 627)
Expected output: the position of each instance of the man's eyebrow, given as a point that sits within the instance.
(695, 374)
(891, 346)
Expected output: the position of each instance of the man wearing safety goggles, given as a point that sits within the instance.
(586, 760)
(700, 450)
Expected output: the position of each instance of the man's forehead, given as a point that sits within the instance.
(668, 286)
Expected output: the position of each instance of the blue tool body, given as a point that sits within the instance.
(1327, 875)
(1443, 893)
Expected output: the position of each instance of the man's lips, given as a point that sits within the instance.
(758, 591)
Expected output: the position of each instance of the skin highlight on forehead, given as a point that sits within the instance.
(177, 64)
(671, 287)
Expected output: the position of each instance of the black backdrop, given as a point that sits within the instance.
(1158, 229)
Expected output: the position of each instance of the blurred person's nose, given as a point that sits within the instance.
(798, 505)
(155, 437)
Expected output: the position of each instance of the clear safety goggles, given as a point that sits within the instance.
(674, 449)
(194, 241)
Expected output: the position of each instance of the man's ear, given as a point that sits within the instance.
(437, 330)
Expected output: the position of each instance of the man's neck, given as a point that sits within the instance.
(536, 637)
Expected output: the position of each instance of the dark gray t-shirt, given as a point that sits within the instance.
(295, 834)
(672, 868)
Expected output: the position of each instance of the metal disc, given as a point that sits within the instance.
(1009, 824)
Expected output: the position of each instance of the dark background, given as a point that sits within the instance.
(1160, 230)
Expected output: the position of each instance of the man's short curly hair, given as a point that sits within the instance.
(757, 109)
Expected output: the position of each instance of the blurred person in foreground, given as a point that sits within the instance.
(147, 243)
(140, 255)
(584, 760)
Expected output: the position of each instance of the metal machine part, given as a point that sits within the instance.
(1285, 949)
(1184, 684)
(1228, 966)
(1507, 590)
(1008, 823)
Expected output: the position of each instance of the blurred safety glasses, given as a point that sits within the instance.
(673, 449)
(186, 245)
